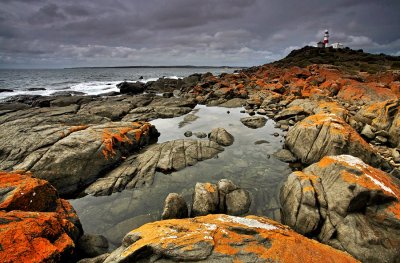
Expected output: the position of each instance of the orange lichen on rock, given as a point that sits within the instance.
(226, 237)
(77, 128)
(366, 92)
(112, 136)
(33, 237)
(209, 187)
(22, 192)
(36, 226)
(367, 177)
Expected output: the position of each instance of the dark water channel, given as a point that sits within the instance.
(248, 163)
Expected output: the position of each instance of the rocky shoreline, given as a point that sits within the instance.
(340, 135)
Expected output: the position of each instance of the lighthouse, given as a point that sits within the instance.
(326, 38)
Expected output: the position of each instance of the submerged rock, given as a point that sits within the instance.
(347, 204)
(221, 238)
(285, 156)
(92, 245)
(138, 170)
(36, 225)
(221, 136)
(254, 122)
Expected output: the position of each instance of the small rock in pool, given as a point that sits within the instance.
(260, 142)
(221, 136)
(200, 135)
(285, 156)
(254, 122)
(174, 207)
(275, 134)
(242, 111)
(188, 134)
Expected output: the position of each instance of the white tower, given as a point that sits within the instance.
(326, 38)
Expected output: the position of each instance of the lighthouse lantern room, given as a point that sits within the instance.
(326, 38)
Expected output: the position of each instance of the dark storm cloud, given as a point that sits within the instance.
(44, 33)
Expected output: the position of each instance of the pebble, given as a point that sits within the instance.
(275, 134)
(188, 134)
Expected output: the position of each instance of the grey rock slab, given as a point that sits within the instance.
(205, 199)
(92, 245)
(345, 203)
(367, 132)
(166, 157)
(326, 134)
(174, 207)
(254, 122)
(221, 136)
(285, 156)
(237, 202)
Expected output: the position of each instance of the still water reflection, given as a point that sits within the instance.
(248, 163)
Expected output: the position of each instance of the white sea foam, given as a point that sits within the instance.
(88, 88)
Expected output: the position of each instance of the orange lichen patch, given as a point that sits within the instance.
(232, 237)
(331, 107)
(26, 193)
(32, 237)
(303, 176)
(112, 136)
(209, 187)
(367, 92)
(336, 125)
(77, 128)
(395, 88)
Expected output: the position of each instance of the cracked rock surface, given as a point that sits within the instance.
(326, 134)
(139, 169)
(67, 149)
(346, 204)
(221, 238)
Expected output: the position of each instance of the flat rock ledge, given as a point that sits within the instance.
(76, 156)
(345, 203)
(221, 238)
(35, 224)
(138, 170)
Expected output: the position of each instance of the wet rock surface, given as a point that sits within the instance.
(73, 140)
(224, 197)
(217, 238)
(90, 246)
(60, 154)
(347, 204)
(139, 169)
(36, 225)
(254, 122)
(221, 136)
(175, 207)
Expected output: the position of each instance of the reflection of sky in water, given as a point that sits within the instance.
(250, 166)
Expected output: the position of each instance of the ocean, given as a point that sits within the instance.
(91, 81)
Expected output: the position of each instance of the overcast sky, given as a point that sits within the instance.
(65, 33)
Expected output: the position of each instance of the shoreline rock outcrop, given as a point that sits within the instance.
(36, 225)
(321, 135)
(221, 238)
(347, 204)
